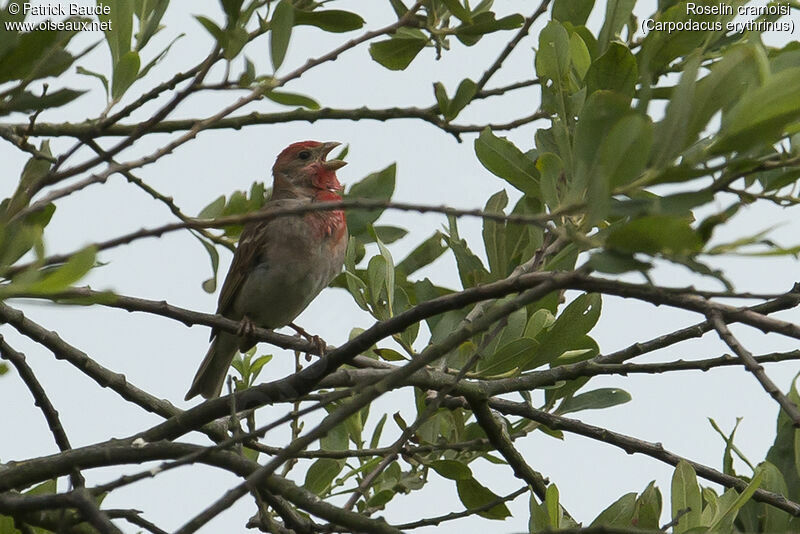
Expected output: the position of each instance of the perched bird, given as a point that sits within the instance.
(281, 264)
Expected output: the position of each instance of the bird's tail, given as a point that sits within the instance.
(211, 376)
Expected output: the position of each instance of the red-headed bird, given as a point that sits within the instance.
(281, 264)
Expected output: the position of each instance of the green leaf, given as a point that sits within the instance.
(458, 10)
(618, 13)
(539, 520)
(671, 132)
(210, 285)
(258, 364)
(37, 54)
(390, 355)
(580, 58)
(470, 268)
(551, 498)
(150, 15)
(728, 79)
(212, 28)
(452, 469)
(620, 159)
(64, 276)
(389, 270)
(398, 52)
(380, 498)
(511, 356)
(494, 235)
(292, 99)
(120, 25)
(648, 508)
(425, 254)
(539, 320)
(390, 234)
(500, 157)
(441, 98)
(280, 32)
(775, 520)
(235, 39)
(125, 73)
(608, 261)
(726, 515)
(214, 209)
(376, 434)
(473, 495)
(26, 101)
(330, 20)
(656, 234)
(619, 514)
(355, 285)
(761, 115)
(615, 70)
(376, 186)
(594, 400)
(376, 276)
(232, 10)
(484, 23)
(552, 59)
(399, 7)
(685, 496)
(577, 319)
(321, 474)
(45, 488)
(102, 78)
(783, 454)
(464, 95)
(600, 112)
(573, 11)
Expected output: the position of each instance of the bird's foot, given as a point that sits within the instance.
(317, 341)
(246, 328)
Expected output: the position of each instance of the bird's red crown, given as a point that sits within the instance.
(291, 151)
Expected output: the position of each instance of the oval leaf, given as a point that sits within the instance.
(280, 32)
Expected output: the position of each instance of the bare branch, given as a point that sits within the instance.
(435, 521)
(754, 367)
(499, 438)
(632, 445)
(42, 401)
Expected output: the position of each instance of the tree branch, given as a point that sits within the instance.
(41, 400)
(754, 367)
(632, 445)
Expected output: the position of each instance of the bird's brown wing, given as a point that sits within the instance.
(243, 259)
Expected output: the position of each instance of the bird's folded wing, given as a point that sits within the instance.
(243, 259)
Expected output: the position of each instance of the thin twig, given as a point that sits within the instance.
(634, 445)
(273, 212)
(523, 31)
(42, 401)
(434, 521)
(754, 367)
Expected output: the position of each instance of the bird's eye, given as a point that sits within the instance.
(305, 154)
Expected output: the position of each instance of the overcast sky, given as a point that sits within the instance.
(161, 356)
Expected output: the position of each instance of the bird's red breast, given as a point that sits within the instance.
(328, 223)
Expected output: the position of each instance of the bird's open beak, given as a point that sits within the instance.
(333, 164)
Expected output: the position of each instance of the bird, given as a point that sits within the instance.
(280, 264)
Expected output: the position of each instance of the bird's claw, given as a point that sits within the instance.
(246, 328)
(316, 341)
